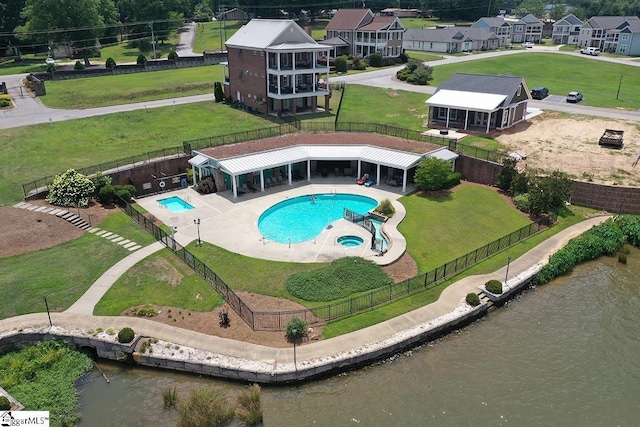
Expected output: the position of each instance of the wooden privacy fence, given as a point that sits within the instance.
(277, 320)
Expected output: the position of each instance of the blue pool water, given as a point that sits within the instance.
(175, 204)
(301, 218)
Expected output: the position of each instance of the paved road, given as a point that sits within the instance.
(30, 111)
(187, 36)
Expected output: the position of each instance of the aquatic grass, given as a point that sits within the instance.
(170, 397)
(42, 378)
(204, 406)
(249, 410)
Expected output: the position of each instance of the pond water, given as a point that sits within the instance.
(563, 354)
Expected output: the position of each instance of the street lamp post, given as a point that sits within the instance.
(197, 223)
(506, 276)
(619, 84)
(294, 334)
(46, 304)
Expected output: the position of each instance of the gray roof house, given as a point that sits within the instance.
(527, 29)
(449, 39)
(479, 102)
(566, 30)
(498, 26)
(605, 32)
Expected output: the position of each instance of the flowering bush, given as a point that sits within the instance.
(71, 189)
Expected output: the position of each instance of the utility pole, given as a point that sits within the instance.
(222, 10)
(153, 40)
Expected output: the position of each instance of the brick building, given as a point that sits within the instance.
(274, 67)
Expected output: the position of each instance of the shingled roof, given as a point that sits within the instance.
(479, 83)
(350, 19)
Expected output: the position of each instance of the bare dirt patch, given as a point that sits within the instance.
(553, 142)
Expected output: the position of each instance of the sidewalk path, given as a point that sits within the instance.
(187, 36)
(365, 340)
(94, 294)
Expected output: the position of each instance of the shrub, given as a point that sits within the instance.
(125, 192)
(100, 181)
(146, 311)
(126, 335)
(494, 286)
(218, 93)
(172, 56)
(249, 410)
(5, 404)
(107, 194)
(110, 63)
(341, 278)
(78, 66)
(452, 180)
(205, 407)
(141, 59)
(432, 174)
(358, 64)
(522, 202)
(404, 57)
(472, 299)
(296, 329)
(207, 186)
(341, 64)
(5, 103)
(506, 174)
(386, 208)
(375, 60)
(71, 189)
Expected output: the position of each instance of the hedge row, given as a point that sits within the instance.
(603, 239)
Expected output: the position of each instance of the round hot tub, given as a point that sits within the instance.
(350, 241)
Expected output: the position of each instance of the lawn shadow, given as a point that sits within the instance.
(435, 196)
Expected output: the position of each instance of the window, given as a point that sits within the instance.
(519, 28)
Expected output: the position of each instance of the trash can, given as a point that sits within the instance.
(444, 132)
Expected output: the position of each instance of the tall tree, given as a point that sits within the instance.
(9, 19)
(75, 22)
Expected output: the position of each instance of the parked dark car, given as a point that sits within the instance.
(574, 97)
(540, 92)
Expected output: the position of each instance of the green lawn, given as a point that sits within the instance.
(42, 150)
(160, 279)
(430, 22)
(210, 36)
(127, 88)
(439, 230)
(27, 65)
(128, 52)
(420, 299)
(424, 56)
(57, 272)
(597, 80)
(363, 104)
(242, 273)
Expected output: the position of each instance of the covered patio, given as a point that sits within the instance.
(257, 171)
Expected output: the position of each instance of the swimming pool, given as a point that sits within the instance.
(175, 204)
(302, 218)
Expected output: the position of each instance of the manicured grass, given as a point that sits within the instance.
(404, 305)
(439, 230)
(42, 150)
(42, 378)
(363, 104)
(127, 88)
(597, 80)
(160, 279)
(430, 22)
(128, 52)
(488, 144)
(424, 56)
(25, 66)
(209, 35)
(242, 273)
(63, 272)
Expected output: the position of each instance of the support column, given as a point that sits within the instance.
(377, 174)
(448, 112)
(308, 170)
(404, 181)
(326, 100)
(359, 174)
(466, 119)
(290, 171)
(195, 176)
(488, 123)
(234, 185)
(262, 180)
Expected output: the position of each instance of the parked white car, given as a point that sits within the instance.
(528, 45)
(50, 61)
(593, 51)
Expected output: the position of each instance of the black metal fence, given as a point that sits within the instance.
(40, 185)
(476, 152)
(233, 138)
(277, 321)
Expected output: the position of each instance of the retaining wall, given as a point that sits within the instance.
(611, 198)
(477, 170)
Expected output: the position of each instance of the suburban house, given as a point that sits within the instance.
(234, 14)
(449, 39)
(401, 13)
(367, 33)
(498, 26)
(273, 68)
(527, 29)
(479, 102)
(566, 30)
(606, 33)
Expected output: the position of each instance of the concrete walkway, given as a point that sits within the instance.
(78, 316)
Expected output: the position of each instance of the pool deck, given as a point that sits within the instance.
(233, 223)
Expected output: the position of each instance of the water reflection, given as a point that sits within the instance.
(562, 354)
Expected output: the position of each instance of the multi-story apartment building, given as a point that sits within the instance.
(606, 33)
(527, 29)
(500, 27)
(367, 33)
(566, 30)
(274, 67)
